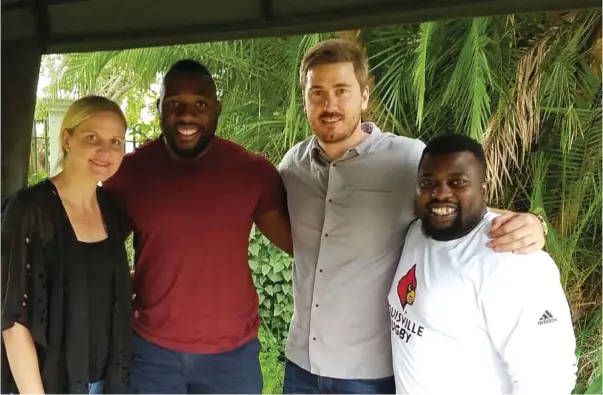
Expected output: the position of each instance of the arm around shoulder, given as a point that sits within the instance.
(529, 321)
(271, 214)
(520, 233)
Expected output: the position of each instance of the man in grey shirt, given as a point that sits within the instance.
(350, 191)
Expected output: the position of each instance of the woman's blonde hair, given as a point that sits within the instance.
(81, 110)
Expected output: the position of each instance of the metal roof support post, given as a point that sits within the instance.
(20, 69)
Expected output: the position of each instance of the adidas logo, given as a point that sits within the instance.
(546, 318)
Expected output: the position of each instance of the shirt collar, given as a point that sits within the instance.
(364, 147)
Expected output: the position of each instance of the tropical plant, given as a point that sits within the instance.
(257, 82)
(271, 361)
(527, 86)
(271, 270)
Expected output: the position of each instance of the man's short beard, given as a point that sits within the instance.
(202, 144)
(458, 229)
(207, 135)
(356, 120)
(445, 234)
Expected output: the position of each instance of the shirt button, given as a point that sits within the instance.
(314, 338)
(320, 270)
(330, 200)
(326, 235)
(317, 305)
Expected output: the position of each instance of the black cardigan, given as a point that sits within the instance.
(37, 279)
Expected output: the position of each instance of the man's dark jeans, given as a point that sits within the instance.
(300, 381)
(157, 370)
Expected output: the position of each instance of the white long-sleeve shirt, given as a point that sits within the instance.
(478, 321)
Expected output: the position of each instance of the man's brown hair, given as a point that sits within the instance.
(335, 51)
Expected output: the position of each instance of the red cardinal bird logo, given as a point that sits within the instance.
(407, 287)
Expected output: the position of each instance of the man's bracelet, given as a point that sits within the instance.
(545, 227)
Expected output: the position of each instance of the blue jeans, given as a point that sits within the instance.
(158, 370)
(300, 381)
(98, 387)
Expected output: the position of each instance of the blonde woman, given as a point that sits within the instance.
(66, 298)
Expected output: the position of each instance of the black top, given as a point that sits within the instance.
(45, 287)
(98, 256)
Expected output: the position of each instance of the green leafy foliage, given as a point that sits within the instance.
(35, 178)
(528, 86)
(130, 250)
(271, 270)
(142, 132)
(596, 387)
(271, 361)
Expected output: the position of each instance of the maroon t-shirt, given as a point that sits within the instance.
(192, 218)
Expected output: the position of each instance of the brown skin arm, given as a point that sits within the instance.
(520, 233)
(275, 226)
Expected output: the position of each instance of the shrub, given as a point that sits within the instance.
(272, 278)
(273, 369)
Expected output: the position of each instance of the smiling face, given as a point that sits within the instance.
(96, 146)
(334, 101)
(451, 194)
(189, 113)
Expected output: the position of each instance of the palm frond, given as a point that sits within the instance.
(467, 91)
(426, 32)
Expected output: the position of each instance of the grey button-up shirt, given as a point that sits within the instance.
(349, 219)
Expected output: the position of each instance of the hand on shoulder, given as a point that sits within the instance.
(521, 233)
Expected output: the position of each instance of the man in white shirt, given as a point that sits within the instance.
(465, 319)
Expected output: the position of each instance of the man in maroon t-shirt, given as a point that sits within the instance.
(192, 199)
